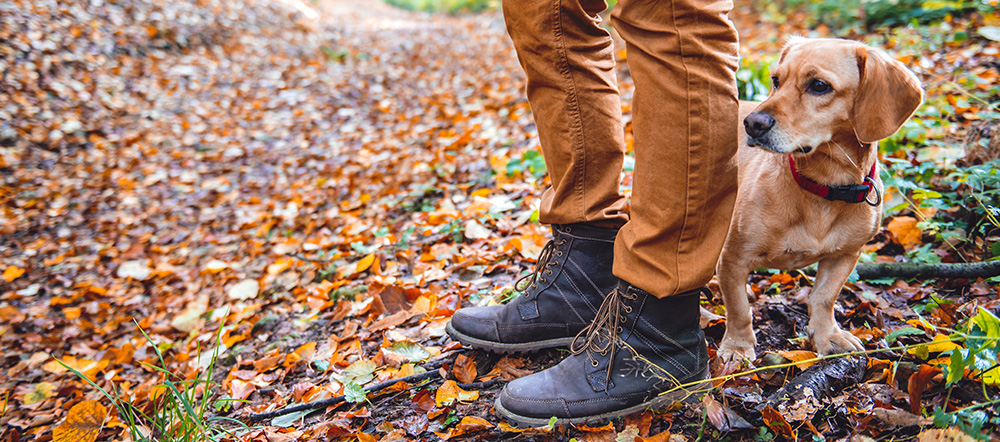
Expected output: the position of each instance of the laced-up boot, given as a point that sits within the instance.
(640, 352)
(559, 298)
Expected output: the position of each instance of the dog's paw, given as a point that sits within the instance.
(837, 341)
(737, 350)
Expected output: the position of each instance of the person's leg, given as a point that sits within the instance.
(683, 59)
(646, 339)
(568, 61)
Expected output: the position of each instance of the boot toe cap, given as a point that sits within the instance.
(533, 396)
(477, 322)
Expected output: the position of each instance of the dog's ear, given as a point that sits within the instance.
(887, 96)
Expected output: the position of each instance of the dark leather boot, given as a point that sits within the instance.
(640, 352)
(559, 298)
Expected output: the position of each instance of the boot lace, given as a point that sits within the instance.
(601, 336)
(545, 261)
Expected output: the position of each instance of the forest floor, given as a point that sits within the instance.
(291, 199)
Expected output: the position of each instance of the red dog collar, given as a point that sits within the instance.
(851, 193)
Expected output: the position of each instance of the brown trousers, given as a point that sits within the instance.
(682, 55)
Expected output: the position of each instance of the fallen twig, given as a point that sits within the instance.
(430, 374)
(914, 270)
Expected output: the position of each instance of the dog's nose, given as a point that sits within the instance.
(758, 123)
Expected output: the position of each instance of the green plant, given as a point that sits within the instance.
(449, 6)
(753, 79)
(530, 161)
(182, 412)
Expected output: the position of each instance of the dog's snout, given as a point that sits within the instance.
(758, 123)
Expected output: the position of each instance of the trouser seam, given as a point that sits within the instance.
(576, 119)
(687, 157)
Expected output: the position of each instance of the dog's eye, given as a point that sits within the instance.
(818, 86)
(774, 81)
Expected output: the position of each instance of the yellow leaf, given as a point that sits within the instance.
(904, 229)
(83, 423)
(12, 273)
(470, 424)
(85, 366)
(365, 263)
(939, 344)
(798, 356)
(449, 392)
(481, 192)
(43, 391)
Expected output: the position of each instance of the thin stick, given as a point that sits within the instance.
(431, 374)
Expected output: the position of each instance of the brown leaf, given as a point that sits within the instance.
(422, 402)
(464, 369)
(84, 421)
(917, 383)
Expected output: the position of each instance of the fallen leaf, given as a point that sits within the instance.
(239, 389)
(917, 383)
(12, 273)
(39, 392)
(138, 270)
(944, 435)
(243, 290)
(777, 423)
(83, 423)
(798, 356)
(464, 369)
(449, 392)
(904, 231)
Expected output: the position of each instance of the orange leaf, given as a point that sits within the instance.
(449, 392)
(798, 356)
(904, 230)
(464, 369)
(71, 312)
(84, 421)
(777, 423)
(12, 273)
(365, 263)
(470, 424)
(279, 266)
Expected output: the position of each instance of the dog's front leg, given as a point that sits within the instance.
(826, 334)
(739, 341)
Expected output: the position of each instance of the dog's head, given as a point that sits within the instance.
(826, 88)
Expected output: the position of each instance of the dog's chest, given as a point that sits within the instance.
(817, 235)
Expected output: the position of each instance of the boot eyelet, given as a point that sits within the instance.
(621, 319)
(561, 243)
(594, 363)
(604, 353)
(548, 272)
(619, 330)
(628, 309)
(568, 229)
(559, 253)
(541, 280)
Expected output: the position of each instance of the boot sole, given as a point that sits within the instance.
(505, 347)
(660, 402)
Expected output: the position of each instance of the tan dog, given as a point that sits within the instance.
(832, 101)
